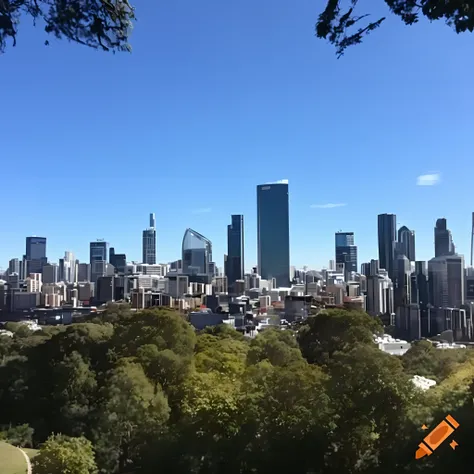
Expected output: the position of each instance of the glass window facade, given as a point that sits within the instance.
(235, 251)
(197, 253)
(273, 233)
(387, 234)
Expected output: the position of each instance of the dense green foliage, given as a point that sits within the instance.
(340, 23)
(63, 455)
(144, 393)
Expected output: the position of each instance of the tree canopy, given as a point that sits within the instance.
(100, 24)
(145, 393)
(63, 455)
(343, 26)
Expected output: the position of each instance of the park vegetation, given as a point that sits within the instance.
(144, 393)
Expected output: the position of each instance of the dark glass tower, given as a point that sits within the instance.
(346, 251)
(387, 234)
(35, 254)
(273, 232)
(406, 243)
(443, 239)
(99, 253)
(234, 263)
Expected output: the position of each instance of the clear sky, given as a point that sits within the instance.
(217, 97)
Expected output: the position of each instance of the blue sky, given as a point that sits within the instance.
(218, 97)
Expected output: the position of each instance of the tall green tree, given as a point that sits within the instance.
(333, 331)
(343, 25)
(130, 410)
(63, 455)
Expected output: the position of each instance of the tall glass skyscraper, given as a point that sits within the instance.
(387, 234)
(273, 232)
(99, 253)
(443, 239)
(346, 251)
(35, 254)
(149, 242)
(197, 253)
(406, 242)
(235, 251)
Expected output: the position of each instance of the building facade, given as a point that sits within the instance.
(443, 239)
(149, 242)
(234, 266)
(387, 237)
(273, 233)
(35, 254)
(99, 253)
(406, 243)
(446, 281)
(196, 253)
(346, 251)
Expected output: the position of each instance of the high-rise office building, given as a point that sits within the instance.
(387, 236)
(346, 251)
(443, 239)
(196, 253)
(83, 272)
(35, 254)
(234, 263)
(14, 266)
(273, 232)
(406, 243)
(446, 281)
(69, 267)
(99, 251)
(402, 293)
(51, 273)
(149, 242)
(117, 260)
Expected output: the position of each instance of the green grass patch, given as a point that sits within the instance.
(12, 460)
(31, 452)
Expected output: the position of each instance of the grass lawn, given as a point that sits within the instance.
(31, 452)
(12, 460)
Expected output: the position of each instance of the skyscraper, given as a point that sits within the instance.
(446, 281)
(346, 251)
(35, 254)
(443, 239)
(387, 236)
(69, 267)
(197, 253)
(149, 242)
(98, 259)
(406, 241)
(273, 232)
(235, 251)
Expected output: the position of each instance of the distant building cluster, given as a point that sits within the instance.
(418, 299)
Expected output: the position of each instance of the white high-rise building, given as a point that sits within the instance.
(34, 283)
(69, 267)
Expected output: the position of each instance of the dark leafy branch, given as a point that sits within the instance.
(343, 28)
(100, 24)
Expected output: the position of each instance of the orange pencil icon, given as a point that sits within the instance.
(437, 436)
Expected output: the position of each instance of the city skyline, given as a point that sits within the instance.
(273, 104)
(219, 258)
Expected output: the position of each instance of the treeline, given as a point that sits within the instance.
(143, 393)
